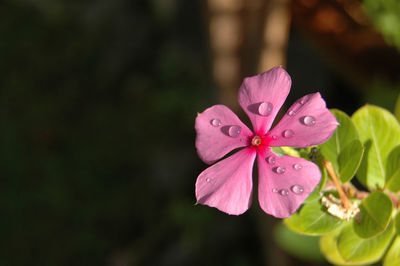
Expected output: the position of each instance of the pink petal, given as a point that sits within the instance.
(307, 122)
(284, 182)
(262, 96)
(227, 185)
(217, 133)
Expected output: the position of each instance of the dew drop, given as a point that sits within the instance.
(274, 137)
(308, 120)
(265, 108)
(208, 180)
(284, 192)
(297, 189)
(274, 190)
(288, 133)
(279, 169)
(291, 112)
(270, 159)
(215, 122)
(234, 131)
(297, 166)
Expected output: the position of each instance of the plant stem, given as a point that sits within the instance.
(329, 168)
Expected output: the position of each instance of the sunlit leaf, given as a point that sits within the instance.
(316, 194)
(354, 249)
(349, 160)
(312, 220)
(397, 223)
(328, 247)
(380, 133)
(374, 216)
(393, 170)
(345, 133)
(393, 255)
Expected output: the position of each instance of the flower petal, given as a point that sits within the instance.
(227, 185)
(261, 96)
(284, 182)
(219, 131)
(307, 122)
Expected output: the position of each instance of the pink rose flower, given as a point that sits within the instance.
(283, 182)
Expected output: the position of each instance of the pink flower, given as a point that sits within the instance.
(283, 182)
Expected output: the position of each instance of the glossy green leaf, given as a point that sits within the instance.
(312, 220)
(328, 247)
(393, 255)
(314, 196)
(374, 216)
(380, 133)
(393, 170)
(301, 246)
(345, 133)
(349, 160)
(397, 223)
(354, 249)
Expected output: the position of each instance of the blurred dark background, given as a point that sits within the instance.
(98, 101)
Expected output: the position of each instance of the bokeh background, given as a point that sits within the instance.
(97, 107)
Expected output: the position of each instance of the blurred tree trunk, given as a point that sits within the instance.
(246, 38)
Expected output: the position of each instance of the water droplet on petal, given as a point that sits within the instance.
(284, 192)
(291, 112)
(234, 131)
(270, 159)
(304, 99)
(297, 166)
(274, 190)
(279, 169)
(215, 122)
(265, 108)
(308, 120)
(208, 180)
(288, 133)
(274, 137)
(297, 189)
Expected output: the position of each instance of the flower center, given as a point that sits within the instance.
(256, 141)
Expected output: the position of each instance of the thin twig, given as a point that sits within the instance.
(329, 168)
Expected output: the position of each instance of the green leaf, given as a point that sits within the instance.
(380, 133)
(393, 170)
(328, 247)
(354, 249)
(397, 108)
(301, 246)
(312, 220)
(290, 151)
(345, 133)
(397, 223)
(374, 216)
(316, 194)
(393, 255)
(349, 160)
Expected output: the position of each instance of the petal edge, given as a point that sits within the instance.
(227, 185)
(308, 121)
